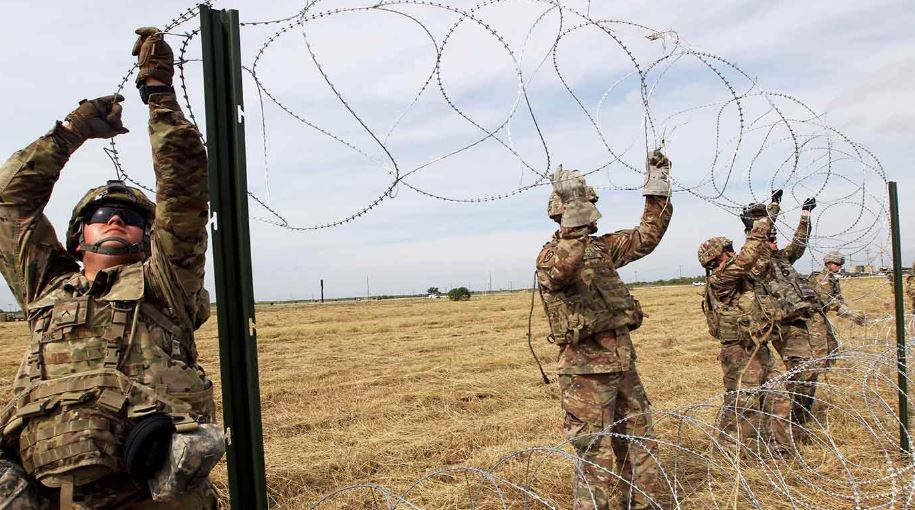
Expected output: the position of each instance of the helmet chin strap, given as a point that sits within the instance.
(126, 247)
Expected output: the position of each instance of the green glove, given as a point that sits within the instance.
(154, 56)
(98, 118)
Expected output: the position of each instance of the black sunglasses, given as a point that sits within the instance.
(104, 214)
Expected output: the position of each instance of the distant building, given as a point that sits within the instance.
(11, 316)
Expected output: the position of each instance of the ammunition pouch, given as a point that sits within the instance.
(71, 430)
(595, 301)
(724, 322)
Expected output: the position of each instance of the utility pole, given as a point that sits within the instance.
(322, 290)
(681, 270)
(367, 292)
(490, 282)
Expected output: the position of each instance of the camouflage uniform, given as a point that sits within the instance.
(107, 352)
(822, 335)
(791, 328)
(746, 361)
(591, 313)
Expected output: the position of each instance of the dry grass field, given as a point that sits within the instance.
(386, 392)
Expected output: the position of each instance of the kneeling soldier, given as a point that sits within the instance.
(111, 409)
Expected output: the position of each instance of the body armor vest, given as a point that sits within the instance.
(784, 294)
(595, 300)
(95, 365)
(730, 322)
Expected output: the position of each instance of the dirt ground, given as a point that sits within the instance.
(387, 392)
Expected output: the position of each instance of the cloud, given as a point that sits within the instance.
(849, 59)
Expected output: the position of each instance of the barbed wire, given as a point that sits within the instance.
(744, 92)
(845, 456)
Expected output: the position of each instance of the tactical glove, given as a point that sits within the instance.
(777, 196)
(809, 204)
(154, 56)
(859, 318)
(751, 213)
(569, 184)
(98, 118)
(657, 175)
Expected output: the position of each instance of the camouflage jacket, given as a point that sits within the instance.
(131, 329)
(731, 290)
(561, 264)
(798, 245)
(830, 293)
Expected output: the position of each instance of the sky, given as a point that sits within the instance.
(850, 62)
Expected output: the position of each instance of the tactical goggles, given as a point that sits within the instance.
(104, 214)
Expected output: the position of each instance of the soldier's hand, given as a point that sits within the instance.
(97, 118)
(657, 174)
(809, 204)
(154, 56)
(859, 318)
(569, 184)
(777, 196)
(657, 159)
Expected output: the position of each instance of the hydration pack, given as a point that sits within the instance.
(784, 295)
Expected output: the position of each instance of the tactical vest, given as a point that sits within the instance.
(784, 295)
(95, 365)
(595, 300)
(730, 322)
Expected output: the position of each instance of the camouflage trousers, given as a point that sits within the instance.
(18, 491)
(792, 341)
(597, 407)
(748, 412)
(823, 341)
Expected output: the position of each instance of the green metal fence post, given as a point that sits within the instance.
(901, 372)
(232, 257)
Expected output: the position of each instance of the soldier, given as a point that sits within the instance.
(734, 319)
(110, 408)
(822, 335)
(791, 303)
(591, 314)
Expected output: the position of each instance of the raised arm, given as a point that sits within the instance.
(179, 236)
(755, 251)
(798, 245)
(628, 245)
(30, 254)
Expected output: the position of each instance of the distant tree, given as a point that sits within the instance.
(433, 291)
(459, 294)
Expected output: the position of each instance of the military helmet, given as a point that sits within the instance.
(113, 192)
(834, 257)
(710, 250)
(579, 213)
